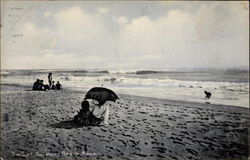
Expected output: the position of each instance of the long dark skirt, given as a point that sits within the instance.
(86, 118)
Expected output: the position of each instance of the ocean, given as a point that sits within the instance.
(228, 87)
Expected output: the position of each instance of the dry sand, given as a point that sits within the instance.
(140, 128)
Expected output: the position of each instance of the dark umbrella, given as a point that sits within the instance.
(101, 95)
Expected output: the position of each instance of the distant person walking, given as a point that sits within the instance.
(50, 79)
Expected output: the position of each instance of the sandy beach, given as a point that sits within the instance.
(139, 128)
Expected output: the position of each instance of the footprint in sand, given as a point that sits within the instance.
(143, 112)
(123, 142)
(133, 142)
(127, 135)
(104, 129)
(180, 143)
(129, 117)
(139, 154)
(172, 118)
(155, 142)
(160, 149)
(193, 152)
(109, 148)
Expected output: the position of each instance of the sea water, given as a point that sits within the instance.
(230, 87)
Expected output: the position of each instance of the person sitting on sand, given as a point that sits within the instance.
(81, 117)
(58, 86)
(208, 94)
(53, 87)
(85, 117)
(40, 86)
(92, 114)
(35, 85)
(46, 87)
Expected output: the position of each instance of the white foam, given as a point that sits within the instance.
(122, 71)
(4, 73)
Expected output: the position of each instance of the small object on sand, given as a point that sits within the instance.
(208, 94)
(6, 117)
(85, 148)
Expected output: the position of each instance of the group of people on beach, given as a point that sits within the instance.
(39, 86)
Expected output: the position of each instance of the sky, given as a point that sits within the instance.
(160, 35)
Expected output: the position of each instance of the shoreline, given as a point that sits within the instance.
(148, 99)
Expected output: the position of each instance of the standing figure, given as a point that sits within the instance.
(50, 79)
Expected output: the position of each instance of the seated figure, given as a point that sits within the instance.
(208, 94)
(91, 114)
(53, 87)
(85, 117)
(58, 86)
(46, 87)
(35, 85)
(40, 86)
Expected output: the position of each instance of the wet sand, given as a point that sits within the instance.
(140, 128)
